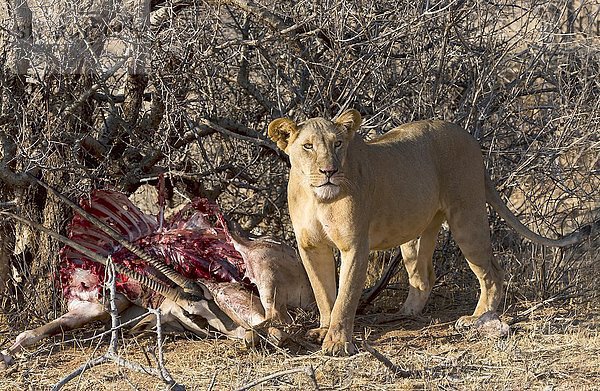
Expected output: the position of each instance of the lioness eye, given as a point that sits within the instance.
(308, 146)
(338, 144)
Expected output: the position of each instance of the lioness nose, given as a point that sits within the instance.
(328, 171)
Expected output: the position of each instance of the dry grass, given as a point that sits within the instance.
(554, 344)
(554, 348)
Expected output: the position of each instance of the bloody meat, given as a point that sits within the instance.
(194, 241)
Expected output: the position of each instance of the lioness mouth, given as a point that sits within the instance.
(327, 184)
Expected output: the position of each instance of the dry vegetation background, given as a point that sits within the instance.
(108, 94)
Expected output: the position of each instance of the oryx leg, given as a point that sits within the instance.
(80, 313)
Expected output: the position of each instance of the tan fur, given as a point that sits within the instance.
(395, 190)
(278, 274)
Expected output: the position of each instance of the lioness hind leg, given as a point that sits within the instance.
(417, 257)
(470, 229)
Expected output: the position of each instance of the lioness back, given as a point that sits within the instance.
(429, 136)
(427, 165)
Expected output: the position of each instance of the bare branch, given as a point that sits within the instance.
(112, 354)
(7, 175)
(396, 370)
(254, 140)
(308, 370)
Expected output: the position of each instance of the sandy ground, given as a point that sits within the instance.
(554, 346)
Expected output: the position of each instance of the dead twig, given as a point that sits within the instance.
(396, 370)
(90, 364)
(263, 143)
(112, 353)
(212, 382)
(8, 204)
(308, 370)
(90, 91)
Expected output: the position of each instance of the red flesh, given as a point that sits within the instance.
(195, 242)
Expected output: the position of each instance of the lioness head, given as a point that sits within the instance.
(317, 148)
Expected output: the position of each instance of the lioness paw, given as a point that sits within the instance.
(339, 348)
(317, 335)
(465, 322)
(338, 344)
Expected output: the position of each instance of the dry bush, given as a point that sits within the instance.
(204, 78)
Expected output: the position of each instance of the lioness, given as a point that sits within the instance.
(395, 190)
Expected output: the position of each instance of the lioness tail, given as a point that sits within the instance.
(494, 200)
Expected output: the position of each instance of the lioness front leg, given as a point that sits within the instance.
(320, 268)
(353, 272)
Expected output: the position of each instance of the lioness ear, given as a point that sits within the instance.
(349, 119)
(280, 131)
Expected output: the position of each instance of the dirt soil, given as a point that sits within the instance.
(551, 346)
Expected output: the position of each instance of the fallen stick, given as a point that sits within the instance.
(213, 380)
(308, 370)
(396, 370)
